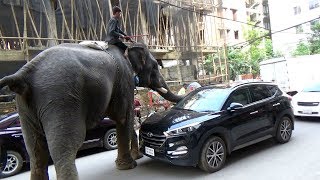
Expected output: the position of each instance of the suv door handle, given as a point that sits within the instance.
(254, 112)
(277, 104)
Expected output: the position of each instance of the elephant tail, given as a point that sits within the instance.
(15, 82)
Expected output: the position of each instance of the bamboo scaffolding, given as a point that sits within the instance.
(172, 29)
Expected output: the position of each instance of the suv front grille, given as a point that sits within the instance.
(308, 103)
(155, 140)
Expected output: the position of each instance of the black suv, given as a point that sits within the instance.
(213, 121)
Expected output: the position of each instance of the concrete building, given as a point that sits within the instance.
(226, 30)
(288, 13)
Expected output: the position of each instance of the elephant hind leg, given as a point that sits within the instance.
(37, 148)
(65, 135)
(124, 160)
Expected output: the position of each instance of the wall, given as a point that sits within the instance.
(188, 73)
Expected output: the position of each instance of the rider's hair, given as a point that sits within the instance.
(116, 9)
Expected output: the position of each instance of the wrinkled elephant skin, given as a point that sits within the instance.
(68, 89)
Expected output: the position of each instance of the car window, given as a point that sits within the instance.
(16, 123)
(259, 92)
(204, 100)
(312, 88)
(7, 121)
(239, 96)
(274, 90)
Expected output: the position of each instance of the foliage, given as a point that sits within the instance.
(302, 49)
(313, 44)
(246, 59)
(257, 50)
(314, 40)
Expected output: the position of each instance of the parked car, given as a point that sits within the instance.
(211, 122)
(104, 135)
(307, 102)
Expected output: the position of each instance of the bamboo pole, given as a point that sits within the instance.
(65, 21)
(25, 33)
(16, 23)
(52, 30)
(102, 22)
(4, 42)
(83, 35)
(91, 29)
(72, 25)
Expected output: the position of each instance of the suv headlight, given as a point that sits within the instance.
(183, 130)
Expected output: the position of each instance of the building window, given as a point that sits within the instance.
(313, 4)
(266, 25)
(296, 10)
(234, 14)
(236, 34)
(201, 33)
(222, 33)
(265, 10)
(299, 29)
(220, 12)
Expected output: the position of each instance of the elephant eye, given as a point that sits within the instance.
(155, 66)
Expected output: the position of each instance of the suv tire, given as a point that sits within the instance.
(213, 155)
(284, 130)
(110, 139)
(14, 164)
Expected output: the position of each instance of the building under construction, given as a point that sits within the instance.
(185, 31)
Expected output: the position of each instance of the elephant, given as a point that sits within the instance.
(68, 89)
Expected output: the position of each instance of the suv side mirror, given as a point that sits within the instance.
(235, 106)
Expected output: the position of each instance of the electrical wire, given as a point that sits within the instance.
(205, 14)
(269, 34)
(248, 41)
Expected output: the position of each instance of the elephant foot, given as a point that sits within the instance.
(136, 155)
(125, 164)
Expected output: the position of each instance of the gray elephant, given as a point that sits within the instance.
(67, 89)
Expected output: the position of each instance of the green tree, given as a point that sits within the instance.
(314, 40)
(246, 59)
(313, 44)
(302, 49)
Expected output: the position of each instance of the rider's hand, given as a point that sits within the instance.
(127, 38)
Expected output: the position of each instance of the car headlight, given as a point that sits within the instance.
(183, 130)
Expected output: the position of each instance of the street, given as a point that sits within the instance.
(298, 159)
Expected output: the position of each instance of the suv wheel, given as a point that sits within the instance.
(213, 155)
(14, 164)
(284, 130)
(110, 139)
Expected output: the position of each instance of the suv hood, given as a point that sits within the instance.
(175, 118)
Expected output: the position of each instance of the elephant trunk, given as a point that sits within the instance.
(167, 94)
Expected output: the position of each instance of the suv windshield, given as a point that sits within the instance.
(312, 88)
(205, 100)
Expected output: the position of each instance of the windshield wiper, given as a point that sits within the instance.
(183, 109)
(208, 111)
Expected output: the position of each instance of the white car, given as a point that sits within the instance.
(307, 102)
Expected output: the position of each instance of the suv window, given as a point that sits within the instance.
(239, 96)
(16, 123)
(259, 92)
(274, 90)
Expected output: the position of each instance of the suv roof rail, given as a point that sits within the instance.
(237, 84)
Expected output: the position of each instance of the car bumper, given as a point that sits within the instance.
(179, 151)
(306, 111)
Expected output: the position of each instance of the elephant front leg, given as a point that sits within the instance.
(135, 153)
(124, 160)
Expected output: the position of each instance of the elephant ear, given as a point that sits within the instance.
(137, 56)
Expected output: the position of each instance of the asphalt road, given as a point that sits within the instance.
(296, 160)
